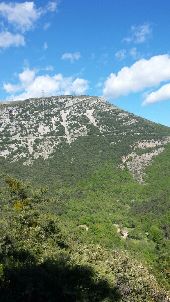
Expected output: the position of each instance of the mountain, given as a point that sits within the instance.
(75, 135)
(97, 228)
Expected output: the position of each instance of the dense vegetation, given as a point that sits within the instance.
(93, 233)
(113, 135)
(40, 261)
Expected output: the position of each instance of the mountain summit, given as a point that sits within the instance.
(76, 130)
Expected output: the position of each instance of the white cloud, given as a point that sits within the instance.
(8, 39)
(31, 85)
(71, 56)
(139, 76)
(79, 86)
(52, 6)
(120, 54)
(10, 88)
(139, 34)
(162, 94)
(21, 15)
(124, 53)
(27, 77)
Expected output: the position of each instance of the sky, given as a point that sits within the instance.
(117, 49)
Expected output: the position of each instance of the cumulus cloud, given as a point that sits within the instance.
(139, 34)
(71, 56)
(79, 86)
(10, 88)
(22, 15)
(32, 85)
(8, 39)
(27, 77)
(162, 94)
(139, 76)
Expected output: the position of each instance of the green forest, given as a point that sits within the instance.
(77, 223)
(105, 238)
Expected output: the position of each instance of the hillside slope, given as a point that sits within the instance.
(108, 174)
(41, 259)
(68, 137)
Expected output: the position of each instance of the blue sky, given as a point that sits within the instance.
(116, 49)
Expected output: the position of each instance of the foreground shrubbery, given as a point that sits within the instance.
(39, 262)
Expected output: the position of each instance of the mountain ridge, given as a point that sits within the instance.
(37, 128)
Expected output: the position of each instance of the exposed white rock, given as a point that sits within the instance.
(30, 143)
(123, 114)
(89, 114)
(151, 143)
(130, 122)
(36, 128)
(54, 120)
(4, 153)
(43, 129)
(64, 123)
(137, 163)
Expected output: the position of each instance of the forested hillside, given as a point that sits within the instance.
(85, 198)
(42, 260)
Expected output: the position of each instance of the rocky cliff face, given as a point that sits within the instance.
(37, 128)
